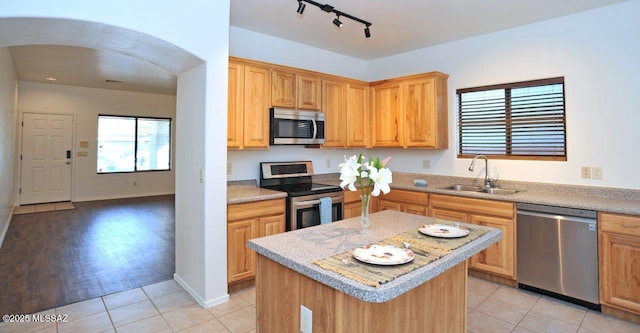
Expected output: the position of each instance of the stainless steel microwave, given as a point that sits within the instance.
(296, 127)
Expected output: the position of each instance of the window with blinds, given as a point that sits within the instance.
(522, 120)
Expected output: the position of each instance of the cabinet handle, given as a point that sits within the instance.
(630, 226)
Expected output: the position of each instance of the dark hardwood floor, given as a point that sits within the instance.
(102, 247)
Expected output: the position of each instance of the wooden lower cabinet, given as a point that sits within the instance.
(438, 305)
(498, 259)
(619, 246)
(352, 204)
(404, 201)
(246, 221)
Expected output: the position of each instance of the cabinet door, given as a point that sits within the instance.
(334, 106)
(388, 205)
(357, 124)
(283, 89)
(414, 209)
(619, 267)
(240, 259)
(499, 258)
(352, 209)
(235, 105)
(448, 215)
(419, 113)
(387, 123)
(309, 92)
(272, 225)
(257, 99)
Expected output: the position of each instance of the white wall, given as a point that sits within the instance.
(200, 28)
(252, 45)
(86, 104)
(596, 51)
(8, 110)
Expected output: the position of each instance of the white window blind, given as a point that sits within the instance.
(517, 120)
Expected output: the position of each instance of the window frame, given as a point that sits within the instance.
(508, 128)
(135, 147)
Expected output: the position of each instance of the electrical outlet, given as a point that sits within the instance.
(596, 173)
(229, 168)
(328, 163)
(305, 320)
(135, 183)
(426, 164)
(586, 172)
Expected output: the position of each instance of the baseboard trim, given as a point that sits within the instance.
(6, 228)
(197, 297)
(122, 196)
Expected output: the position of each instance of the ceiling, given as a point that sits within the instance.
(397, 27)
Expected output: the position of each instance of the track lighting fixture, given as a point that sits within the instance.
(301, 7)
(336, 21)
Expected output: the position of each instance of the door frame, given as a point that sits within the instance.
(18, 165)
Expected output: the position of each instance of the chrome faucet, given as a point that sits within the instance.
(487, 182)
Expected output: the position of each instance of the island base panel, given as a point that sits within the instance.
(438, 305)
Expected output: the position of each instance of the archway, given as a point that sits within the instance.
(199, 278)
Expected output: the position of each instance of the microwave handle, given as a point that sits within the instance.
(315, 129)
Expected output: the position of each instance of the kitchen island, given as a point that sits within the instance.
(431, 298)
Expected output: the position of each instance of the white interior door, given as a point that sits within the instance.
(46, 158)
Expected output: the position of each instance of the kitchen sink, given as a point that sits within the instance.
(499, 191)
(460, 187)
(472, 188)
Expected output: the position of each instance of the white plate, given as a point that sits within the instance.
(383, 255)
(443, 231)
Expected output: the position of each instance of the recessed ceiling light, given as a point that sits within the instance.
(112, 81)
(50, 78)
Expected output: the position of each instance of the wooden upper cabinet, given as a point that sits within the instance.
(295, 90)
(411, 112)
(283, 89)
(357, 126)
(387, 123)
(334, 106)
(309, 92)
(256, 107)
(249, 97)
(345, 105)
(425, 113)
(235, 106)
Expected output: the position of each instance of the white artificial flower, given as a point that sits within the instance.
(381, 180)
(349, 172)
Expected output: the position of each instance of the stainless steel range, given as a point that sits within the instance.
(303, 196)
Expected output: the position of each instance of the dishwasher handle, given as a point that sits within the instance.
(557, 217)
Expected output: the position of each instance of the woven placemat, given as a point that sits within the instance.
(426, 248)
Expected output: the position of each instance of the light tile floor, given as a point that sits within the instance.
(166, 307)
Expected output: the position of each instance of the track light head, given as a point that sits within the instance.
(367, 33)
(337, 22)
(301, 7)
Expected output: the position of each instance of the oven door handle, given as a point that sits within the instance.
(315, 202)
(307, 203)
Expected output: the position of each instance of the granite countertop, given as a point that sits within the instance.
(622, 201)
(247, 191)
(298, 249)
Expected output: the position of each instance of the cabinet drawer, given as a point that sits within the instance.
(619, 223)
(419, 198)
(247, 210)
(351, 196)
(472, 205)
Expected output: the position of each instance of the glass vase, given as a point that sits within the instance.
(364, 217)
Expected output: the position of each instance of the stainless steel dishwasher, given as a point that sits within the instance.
(557, 252)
